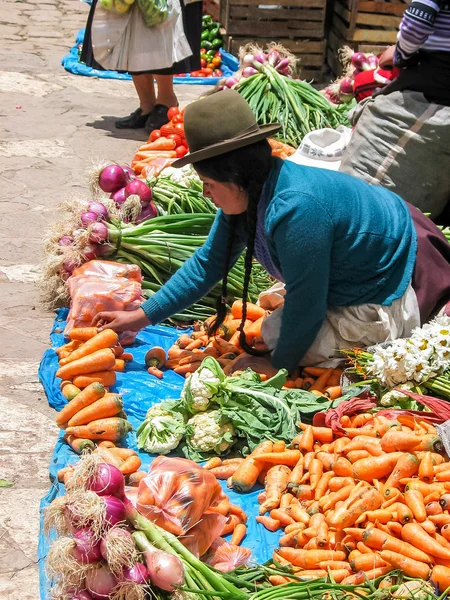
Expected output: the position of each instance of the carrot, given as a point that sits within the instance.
(269, 523)
(298, 513)
(344, 468)
(322, 485)
(108, 457)
(109, 405)
(254, 330)
(315, 371)
(225, 471)
(239, 534)
(440, 520)
(105, 339)
(426, 467)
(123, 453)
(67, 348)
(308, 382)
(407, 466)
(155, 372)
(326, 459)
(315, 473)
(191, 368)
(337, 483)
(279, 446)
(68, 390)
(276, 482)
(335, 378)
(402, 441)
(320, 434)
(414, 501)
(345, 517)
(286, 500)
(212, 463)
(82, 334)
(253, 313)
(289, 457)
(306, 442)
(290, 538)
(380, 515)
(248, 472)
(440, 576)
(367, 562)
(161, 143)
(130, 465)
(100, 360)
(283, 516)
(418, 537)
(127, 357)
(375, 467)
(333, 392)
(322, 381)
(334, 564)
(113, 429)
(355, 455)
(119, 365)
(88, 396)
(362, 576)
(106, 378)
(329, 502)
(411, 568)
(79, 445)
(134, 479)
(309, 559)
(404, 513)
(338, 575)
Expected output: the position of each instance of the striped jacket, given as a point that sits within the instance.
(425, 26)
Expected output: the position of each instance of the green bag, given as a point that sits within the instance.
(154, 12)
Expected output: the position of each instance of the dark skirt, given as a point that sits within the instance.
(431, 277)
(192, 21)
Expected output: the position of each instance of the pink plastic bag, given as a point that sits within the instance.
(226, 557)
(176, 493)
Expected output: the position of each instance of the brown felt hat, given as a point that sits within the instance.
(218, 124)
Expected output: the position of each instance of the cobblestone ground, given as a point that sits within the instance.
(52, 125)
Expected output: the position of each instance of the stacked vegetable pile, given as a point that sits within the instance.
(218, 414)
(266, 82)
(211, 42)
(358, 502)
(159, 245)
(404, 368)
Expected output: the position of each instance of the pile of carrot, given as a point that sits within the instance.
(359, 504)
(90, 356)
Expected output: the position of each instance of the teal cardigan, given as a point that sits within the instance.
(336, 240)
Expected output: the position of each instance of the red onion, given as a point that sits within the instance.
(261, 57)
(359, 60)
(230, 82)
(87, 549)
(78, 232)
(129, 172)
(148, 212)
(81, 595)
(115, 510)
(118, 549)
(283, 65)
(139, 188)
(164, 570)
(99, 209)
(112, 178)
(346, 86)
(88, 217)
(372, 62)
(100, 581)
(103, 250)
(249, 71)
(99, 233)
(247, 61)
(107, 481)
(138, 573)
(66, 240)
(89, 251)
(273, 58)
(119, 196)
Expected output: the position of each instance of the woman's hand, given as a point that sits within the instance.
(121, 320)
(387, 58)
(259, 364)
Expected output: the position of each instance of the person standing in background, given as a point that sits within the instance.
(154, 104)
(401, 138)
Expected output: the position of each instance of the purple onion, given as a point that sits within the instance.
(103, 250)
(372, 62)
(261, 57)
(99, 209)
(148, 212)
(249, 71)
(107, 481)
(87, 548)
(119, 197)
(87, 218)
(231, 81)
(81, 595)
(138, 573)
(69, 266)
(273, 58)
(129, 172)
(112, 178)
(66, 240)
(99, 233)
(359, 60)
(247, 61)
(89, 251)
(346, 86)
(139, 188)
(283, 65)
(100, 582)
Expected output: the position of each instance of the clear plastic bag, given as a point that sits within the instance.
(176, 493)
(100, 286)
(154, 12)
(120, 7)
(200, 537)
(226, 557)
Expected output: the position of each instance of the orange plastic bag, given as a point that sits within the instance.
(226, 557)
(200, 537)
(176, 493)
(101, 285)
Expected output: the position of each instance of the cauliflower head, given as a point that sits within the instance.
(162, 430)
(396, 398)
(205, 433)
(203, 386)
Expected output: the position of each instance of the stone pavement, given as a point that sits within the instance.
(52, 126)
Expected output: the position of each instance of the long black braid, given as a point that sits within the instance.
(247, 168)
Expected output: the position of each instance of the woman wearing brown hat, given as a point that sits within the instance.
(349, 254)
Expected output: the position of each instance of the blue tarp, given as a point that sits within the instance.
(139, 392)
(230, 65)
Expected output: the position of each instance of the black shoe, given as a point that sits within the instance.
(157, 118)
(134, 121)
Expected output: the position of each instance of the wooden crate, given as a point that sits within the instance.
(336, 41)
(311, 53)
(368, 22)
(269, 19)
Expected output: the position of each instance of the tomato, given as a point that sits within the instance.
(207, 72)
(179, 129)
(218, 73)
(172, 112)
(155, 134)
(216, 62)
(176, 138)
(202, 50)
(218, 55)
(202, 63)
(181, 151)
(210, 66)
(177, 119)
(167, 129)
